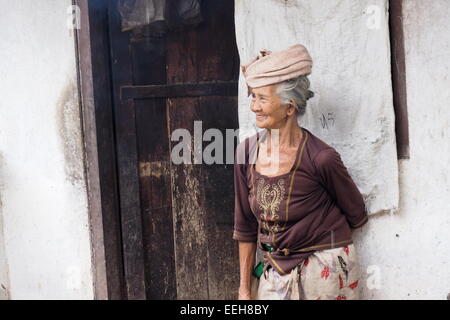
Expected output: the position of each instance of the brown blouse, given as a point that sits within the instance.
(312, 207)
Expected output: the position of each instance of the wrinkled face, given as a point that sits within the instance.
(266, 104)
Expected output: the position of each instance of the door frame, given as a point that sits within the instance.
(95, 96)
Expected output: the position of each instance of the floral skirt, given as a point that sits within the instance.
(331, 274)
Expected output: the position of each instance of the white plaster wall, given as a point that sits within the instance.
(416, 263)
(43, 192)
(352, 109)
(4, 277)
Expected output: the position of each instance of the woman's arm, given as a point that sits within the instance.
(245, 224)
(247, 251)
(340, 185)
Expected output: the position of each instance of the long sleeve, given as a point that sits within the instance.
(337, 181)
(245, 222)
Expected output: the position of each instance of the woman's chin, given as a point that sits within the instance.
(260, 125)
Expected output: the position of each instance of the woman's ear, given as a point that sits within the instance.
(291, 107)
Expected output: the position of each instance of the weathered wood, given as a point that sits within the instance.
(220, 61)
(203, 195)
(127, 159)
(191, 246)
(176, 219)
(148, 60)
(213, 88)
(90, 142)
(156, 204)
(98, 132)
(398, 70)
(217, 179)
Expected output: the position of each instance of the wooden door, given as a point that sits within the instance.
(176, 220)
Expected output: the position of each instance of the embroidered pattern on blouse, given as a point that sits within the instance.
(269, 197)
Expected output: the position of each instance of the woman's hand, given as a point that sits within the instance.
(244, 294)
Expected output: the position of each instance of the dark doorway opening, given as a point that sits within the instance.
(159, 230)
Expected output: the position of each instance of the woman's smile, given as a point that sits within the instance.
(260, 117)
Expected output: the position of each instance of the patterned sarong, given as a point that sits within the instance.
(331, 274)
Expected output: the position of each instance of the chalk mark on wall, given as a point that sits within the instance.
(327, 120)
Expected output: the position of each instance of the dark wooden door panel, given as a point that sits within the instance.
(127, 159)
(206, 53)
(156, 195)
(176, 219)
(148, 58)
(223, 266)
(191, 242)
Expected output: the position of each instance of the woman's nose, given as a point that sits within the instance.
(254, 106)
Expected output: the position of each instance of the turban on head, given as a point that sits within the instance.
(270, 68)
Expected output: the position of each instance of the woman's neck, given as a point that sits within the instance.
(288, 136)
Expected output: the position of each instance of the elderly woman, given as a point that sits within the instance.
(294, 198)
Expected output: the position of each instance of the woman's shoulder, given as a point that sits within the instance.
(320, 152)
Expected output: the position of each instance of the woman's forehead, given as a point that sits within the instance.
(264, 91)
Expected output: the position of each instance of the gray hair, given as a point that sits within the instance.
(296, 88)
